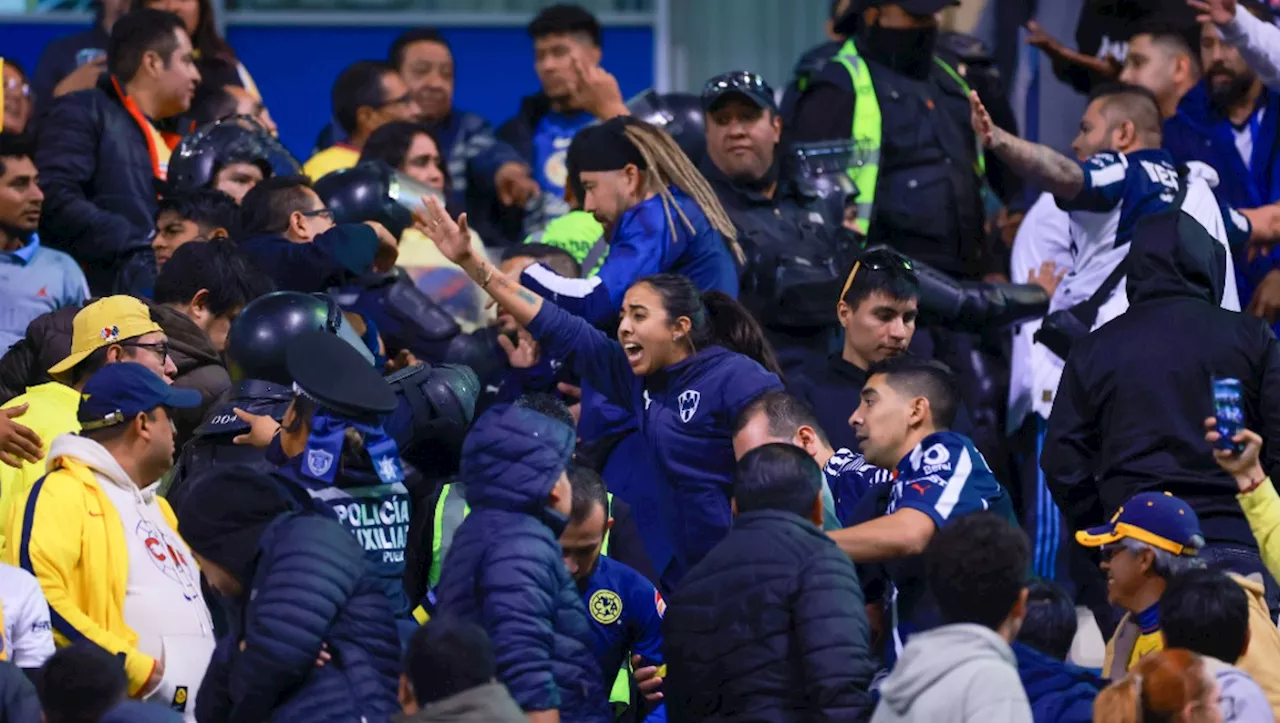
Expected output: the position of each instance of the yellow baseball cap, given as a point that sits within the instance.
(105, 322)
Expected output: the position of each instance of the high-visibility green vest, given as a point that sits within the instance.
(864, 165)
(580, 235)
(452, 507)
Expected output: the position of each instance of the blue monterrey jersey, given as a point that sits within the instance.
(1119, 190)
(946, 478)
(850, 476)
(626, 617)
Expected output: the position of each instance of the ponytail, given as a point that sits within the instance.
(716, 319)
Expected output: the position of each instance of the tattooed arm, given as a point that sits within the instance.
(1056, 173)
(454, 241)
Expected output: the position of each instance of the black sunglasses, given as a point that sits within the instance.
(878, 259)
(318, 213)
(738, 81)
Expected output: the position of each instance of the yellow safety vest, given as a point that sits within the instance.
(864, 165)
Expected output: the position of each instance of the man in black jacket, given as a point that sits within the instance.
(1130, 408)
(797, 648)
(102, 160)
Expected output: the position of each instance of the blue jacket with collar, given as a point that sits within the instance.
(642, 245)
(685, 413)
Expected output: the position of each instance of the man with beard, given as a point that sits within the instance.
(625, 608)
(1231, 122)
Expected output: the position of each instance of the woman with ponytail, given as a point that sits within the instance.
(660, 215)
(684, 363)
(1172, 686)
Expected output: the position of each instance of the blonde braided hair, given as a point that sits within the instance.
(668, 165)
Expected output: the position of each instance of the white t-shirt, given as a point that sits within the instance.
(27, 637)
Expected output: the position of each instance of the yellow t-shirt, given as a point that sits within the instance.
(52, 414)
(333, 158)
(443, 281)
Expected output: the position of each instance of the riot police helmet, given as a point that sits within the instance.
(268, 325)
(238, 139)
(373, 191)
(679, 114)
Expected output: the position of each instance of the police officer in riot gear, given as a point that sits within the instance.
(261, 386)
(230, 155)
(789, 213)
(404, 316)
(904, 105)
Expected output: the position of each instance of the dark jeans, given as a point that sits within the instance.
(1242, 561)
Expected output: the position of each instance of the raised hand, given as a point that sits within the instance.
(598, 91)
(1218, 12)
(980, 119)
(1244, 466)
(450, 236)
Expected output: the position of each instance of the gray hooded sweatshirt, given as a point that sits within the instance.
(961, 673)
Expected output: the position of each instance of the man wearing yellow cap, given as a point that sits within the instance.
(109, 330)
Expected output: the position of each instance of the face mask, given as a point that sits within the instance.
(906, 50)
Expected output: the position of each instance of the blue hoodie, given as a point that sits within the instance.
(685, 413)
(1059, 692)
(505, 572)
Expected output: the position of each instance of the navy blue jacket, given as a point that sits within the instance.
(642, 245)
(331, 259)
(770, 626)
(377, 515)
(505, 571)
(686, 414)
(1058, 692)
(310, 586)
(1199, 133)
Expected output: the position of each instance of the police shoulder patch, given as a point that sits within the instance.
(605, 606)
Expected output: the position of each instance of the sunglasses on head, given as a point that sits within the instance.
(880, 259)
(740, 80)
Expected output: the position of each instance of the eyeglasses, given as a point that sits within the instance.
(161, 348)
(879, 259)
(318, 213)
(402, 100)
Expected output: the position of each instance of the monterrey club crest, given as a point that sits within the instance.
(689, 404)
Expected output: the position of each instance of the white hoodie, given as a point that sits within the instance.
(162, 601)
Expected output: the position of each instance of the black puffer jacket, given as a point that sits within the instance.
(99, 189)
(769, 626)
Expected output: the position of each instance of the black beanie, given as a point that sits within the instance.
(605, 147)
(224, 514)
